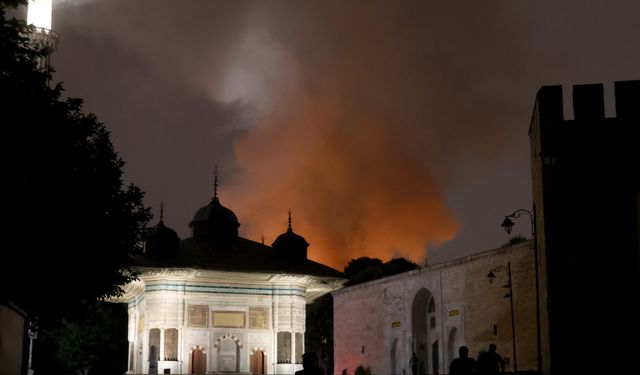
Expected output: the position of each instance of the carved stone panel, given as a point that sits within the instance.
(140, 323)
(198, 315)
(259, 317)
(171, 344)
(229, 319)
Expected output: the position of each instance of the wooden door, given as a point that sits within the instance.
(198, 361)
(258, 360)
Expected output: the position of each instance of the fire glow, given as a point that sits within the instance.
(353, 188)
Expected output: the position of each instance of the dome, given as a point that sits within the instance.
(289, 239)
(215, 221)
(290, 244)
(161, 240)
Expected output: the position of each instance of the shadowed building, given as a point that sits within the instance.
(586, 194)
(217, 302)
(13, 338)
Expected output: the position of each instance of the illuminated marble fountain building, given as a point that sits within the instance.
(217, 302)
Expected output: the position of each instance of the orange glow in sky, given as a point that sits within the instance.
(353, 188)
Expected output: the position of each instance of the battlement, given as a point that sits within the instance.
(589, 103)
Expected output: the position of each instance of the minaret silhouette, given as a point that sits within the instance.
(39, 14)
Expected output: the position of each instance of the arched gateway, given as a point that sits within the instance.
(425, 343)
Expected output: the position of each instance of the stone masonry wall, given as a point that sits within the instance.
(358, 328)
(373, 324)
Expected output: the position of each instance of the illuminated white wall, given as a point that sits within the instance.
(161, 300)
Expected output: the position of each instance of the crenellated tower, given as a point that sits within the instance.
(586, 193)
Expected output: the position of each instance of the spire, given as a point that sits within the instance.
(290, 245)
(215, 183)
(160, 239)
(214, 221)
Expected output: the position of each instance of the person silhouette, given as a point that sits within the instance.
(413, 362)
(490, 363)
(463, 365)
(310, 365)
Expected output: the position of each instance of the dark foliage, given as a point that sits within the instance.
(515, 239)
(71, 226)
(357, 265)
(365, 269)
(95, 343)
(72, 223)
(398, 265)
(319, 333)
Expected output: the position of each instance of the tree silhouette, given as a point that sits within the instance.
(71, 226)
(364, 269)
(318, 337)
(515, 240)
(96, 342)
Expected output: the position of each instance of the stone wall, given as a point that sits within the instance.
(359, 328)
(374, 323)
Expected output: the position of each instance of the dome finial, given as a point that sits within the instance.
(215, 182)
(290, 245)
(161, 211)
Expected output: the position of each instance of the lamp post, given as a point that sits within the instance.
(492, 275)
(33, 335)
(507, 224)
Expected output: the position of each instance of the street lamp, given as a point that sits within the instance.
(508, 224)
(491, 276)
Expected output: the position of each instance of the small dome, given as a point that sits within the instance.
(161, 240)
(289, 239)
(215, 221)
(290, 244)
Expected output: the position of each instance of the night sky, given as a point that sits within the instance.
(389, 128)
